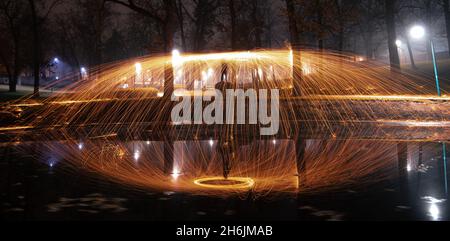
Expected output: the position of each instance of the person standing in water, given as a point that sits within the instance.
(225, 147)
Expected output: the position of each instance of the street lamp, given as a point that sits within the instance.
(418, 32)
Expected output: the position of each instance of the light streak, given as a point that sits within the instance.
(15, 128)
(335, 89)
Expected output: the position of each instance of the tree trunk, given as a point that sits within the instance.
(320, 22)
(16, 71)
(13, 82)
(36, 46)
(200, 22)
(7, 67)
(181, 24)
(341, 41)
(340, 25)
(256, 24)
(369, 46)
(169, 32)
(411, 56)
(394, 59)
(232, 24)
(295, 42)
(447, 21)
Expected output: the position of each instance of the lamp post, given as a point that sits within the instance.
(418, 32)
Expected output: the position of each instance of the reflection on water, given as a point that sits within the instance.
(401, 180)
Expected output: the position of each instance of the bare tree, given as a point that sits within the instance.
(258, 22)
(295, 43)
(203, 17)
(392, 34)
(163, 12)
(40, 10)
(447, 21)
(372, 25)
(233, 23)
(180, 16)
(12, 47)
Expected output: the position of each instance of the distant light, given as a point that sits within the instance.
(52, 162)
(160, 94)
(148, 142)
(138, 68)
(211, 142)
(56, 60)
(417, 32)
(57, 77)
(274, 141)
(398, 43)
(80, 146)
(125, 86)
(137, 155)
(175, 53)
(409, 168)
(359, 59)
(83, 70)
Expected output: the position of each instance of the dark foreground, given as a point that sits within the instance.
(41, 188)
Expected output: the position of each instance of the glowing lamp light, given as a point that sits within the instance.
(417, 32)
(56, 60)
(399, 43)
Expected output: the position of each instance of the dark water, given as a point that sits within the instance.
(39, 185)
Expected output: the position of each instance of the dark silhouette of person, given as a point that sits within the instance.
(225, 146)
(224, 84)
